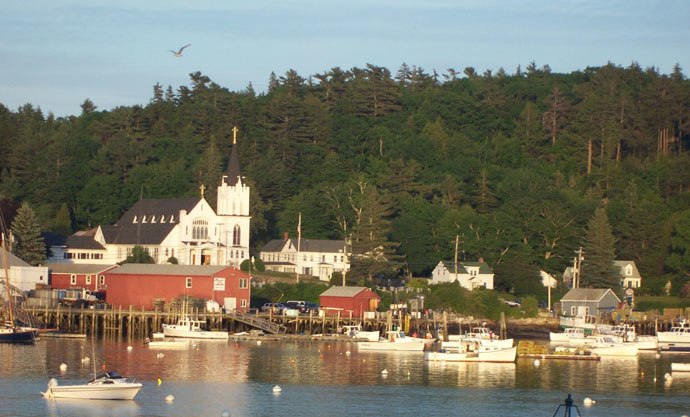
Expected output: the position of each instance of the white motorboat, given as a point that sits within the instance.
(356, 332)
(396, 341)
(108, 386)
(166, 344)
(608, 346)
(189, 328)
(571, 336)
(677, 339)
(482, 334)
(628, 333)
(477, 352)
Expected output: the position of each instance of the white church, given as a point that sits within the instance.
(186, 229)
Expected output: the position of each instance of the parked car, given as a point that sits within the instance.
(275, 308)
(296, 305)
(310, 308)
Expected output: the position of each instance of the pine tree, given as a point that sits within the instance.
(598, 269)
(28, 245)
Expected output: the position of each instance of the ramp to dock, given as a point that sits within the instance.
(263, 324)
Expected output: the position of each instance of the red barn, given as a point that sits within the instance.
(349, 300)
(64, 276)
(140, 285)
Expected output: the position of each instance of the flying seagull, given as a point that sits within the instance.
(179, 52)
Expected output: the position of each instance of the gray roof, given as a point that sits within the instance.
(307, 245)
(161, 217)
(587, 294)
(343, 291)
(483, 267)
(12, 260)
(169, 269)
(66, 268)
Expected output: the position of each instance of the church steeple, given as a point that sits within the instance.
(234, 173)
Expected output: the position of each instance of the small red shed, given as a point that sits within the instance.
(64, 276)
(353, 301)
(141, 285)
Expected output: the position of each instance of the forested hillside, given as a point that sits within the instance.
(399, 163)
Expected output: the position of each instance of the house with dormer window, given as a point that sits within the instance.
(470, 275)
(629, 274)
(311, 257)
(186, 229)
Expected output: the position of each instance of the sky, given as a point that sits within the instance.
(58, 53)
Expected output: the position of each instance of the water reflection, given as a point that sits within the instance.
(65, 407)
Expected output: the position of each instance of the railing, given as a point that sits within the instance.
(252, 320)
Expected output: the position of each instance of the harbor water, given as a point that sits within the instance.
(331, 378)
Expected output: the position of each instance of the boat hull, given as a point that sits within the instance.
(17, 336)
(496, 356)
(172, 331)
(125, 391)
(412, 346)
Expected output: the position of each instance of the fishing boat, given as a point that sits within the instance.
(355, 331)
(482, 334)
(186, 327)
(107, 386)
(572, 336)
(166, 344)
(476, 351)
(9, 331)
(394, 341)
(608, 346)
(677, 339)
(680, 367)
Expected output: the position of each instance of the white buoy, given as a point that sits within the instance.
(384, 372)
(668, 377)
(347, 353)
(160, 355)
(63, 366)
(169, 398)
(588, 401)
(657, 356)
(225, 413)
(537, 362)
(258, 342)
(129, 348)
(277, 389)
(85, 359)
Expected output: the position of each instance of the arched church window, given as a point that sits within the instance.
(200, 229)
(236, 235)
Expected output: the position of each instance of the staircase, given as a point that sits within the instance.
(259, 323)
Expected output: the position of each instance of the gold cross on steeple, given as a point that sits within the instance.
(234, 135)
(202, 188)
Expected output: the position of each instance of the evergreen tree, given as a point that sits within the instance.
(139, 255)
(598, 269)
(28, 241)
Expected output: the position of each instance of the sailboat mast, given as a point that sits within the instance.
(7, 279)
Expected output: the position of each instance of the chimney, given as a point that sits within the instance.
(285, 236)
(481, 259)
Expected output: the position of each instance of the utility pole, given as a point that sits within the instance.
(577, 265)
(299, 241)
(457, 241)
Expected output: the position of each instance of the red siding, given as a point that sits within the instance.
(365, 300)
(63, 281)
(140, 291)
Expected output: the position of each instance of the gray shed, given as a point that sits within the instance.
(582, 302)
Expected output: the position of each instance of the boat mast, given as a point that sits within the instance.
(7, 279)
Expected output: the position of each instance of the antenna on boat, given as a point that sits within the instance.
(568, 406)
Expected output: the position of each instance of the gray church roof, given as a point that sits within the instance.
(148, 222)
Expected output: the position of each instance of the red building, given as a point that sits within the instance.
(140, 285)
(353, 301)
(65, 276)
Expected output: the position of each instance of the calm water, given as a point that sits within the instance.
(217, 379)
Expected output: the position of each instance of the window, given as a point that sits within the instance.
(88, 280)
(102, 280)
(200, 229)
(243, 303)
(236, 235)
(73, 279)
(243, 282)
(188, 282)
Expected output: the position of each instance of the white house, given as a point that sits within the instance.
(313, 257)
(629, 274)
(470, 275)
(22, 275)
(187, 229)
